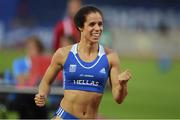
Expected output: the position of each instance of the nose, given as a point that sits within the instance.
(97, 27)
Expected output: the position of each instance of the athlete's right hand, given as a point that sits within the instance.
(40, 99)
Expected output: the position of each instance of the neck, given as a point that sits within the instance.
(88, 47)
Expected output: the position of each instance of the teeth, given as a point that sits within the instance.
(96, 34)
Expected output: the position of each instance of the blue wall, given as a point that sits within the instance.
(48, 12)
(8, 9)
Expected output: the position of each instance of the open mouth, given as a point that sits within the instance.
(96, 35)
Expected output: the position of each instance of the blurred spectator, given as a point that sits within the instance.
(106, 38)
(165, 63)
(21, 68)
(67, 40)
(66, 26)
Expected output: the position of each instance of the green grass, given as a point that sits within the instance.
(153, 94)
(7, 57)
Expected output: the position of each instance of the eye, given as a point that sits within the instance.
(100, 23)
(92, 24)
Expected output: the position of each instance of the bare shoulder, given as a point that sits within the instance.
(64, 51)
(112, 56)
(111, 53)
(61, 54)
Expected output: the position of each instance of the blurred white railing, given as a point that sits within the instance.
(28, 90)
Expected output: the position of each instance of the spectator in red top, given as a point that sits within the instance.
(24, 103)
(66, 26)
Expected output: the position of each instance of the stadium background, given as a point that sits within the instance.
(146, 34)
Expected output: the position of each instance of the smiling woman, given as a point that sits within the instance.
(93, 26)
(87, 66)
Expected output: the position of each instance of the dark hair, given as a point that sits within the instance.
(80, 17)
(37, 42)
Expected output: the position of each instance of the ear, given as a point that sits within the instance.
(80, 29)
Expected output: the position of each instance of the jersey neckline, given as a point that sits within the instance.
(90, 62)
(84, 63)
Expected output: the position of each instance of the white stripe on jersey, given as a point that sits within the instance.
(100, 54)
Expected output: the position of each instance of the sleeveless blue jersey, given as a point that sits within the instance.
(86, 76)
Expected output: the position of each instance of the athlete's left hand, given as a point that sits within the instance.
(124, 77)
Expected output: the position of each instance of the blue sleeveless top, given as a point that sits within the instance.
(86, 76)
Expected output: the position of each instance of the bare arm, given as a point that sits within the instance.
(118, 80)
(48, 78)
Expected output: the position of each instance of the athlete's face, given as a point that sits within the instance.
(93, 27)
